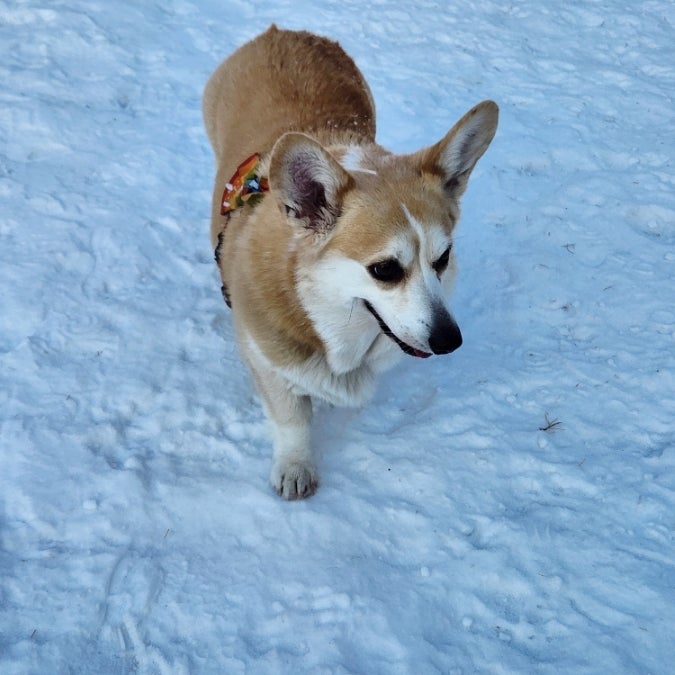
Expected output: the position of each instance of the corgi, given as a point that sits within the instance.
(335, 254)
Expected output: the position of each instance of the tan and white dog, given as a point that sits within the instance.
(335, 254)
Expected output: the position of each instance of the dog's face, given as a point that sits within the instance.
(377, 229)
(392, 250)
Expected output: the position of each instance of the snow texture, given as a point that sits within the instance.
(452, 532)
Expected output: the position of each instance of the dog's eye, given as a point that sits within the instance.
(389, 271)
(442, 262)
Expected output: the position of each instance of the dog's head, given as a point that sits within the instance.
(376, 230)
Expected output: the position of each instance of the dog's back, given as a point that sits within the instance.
(284, 81)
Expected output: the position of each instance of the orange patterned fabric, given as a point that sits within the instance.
(245, 187)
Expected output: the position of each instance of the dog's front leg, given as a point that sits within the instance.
(294, 474)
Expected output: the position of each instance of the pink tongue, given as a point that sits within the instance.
(421, 354)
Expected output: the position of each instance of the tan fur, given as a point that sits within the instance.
(305, 328)
(281, 81)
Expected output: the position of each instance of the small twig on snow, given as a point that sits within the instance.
(551, 425)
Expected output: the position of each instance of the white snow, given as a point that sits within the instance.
(138, 532)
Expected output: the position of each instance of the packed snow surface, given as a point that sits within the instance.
(509, 508)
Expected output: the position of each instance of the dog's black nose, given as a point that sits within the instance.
(445, 336)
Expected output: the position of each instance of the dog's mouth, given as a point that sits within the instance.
(388, 332)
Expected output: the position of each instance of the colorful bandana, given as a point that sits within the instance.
(247, 186)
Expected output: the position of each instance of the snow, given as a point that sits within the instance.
(450, 534)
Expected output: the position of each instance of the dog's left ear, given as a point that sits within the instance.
(308, 184)
(455, 156)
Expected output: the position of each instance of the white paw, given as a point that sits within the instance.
(295, 480)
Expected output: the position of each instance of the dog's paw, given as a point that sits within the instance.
(295, 480)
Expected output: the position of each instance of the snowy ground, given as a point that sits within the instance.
(138, 532)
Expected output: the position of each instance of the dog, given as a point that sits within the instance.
(335, 254)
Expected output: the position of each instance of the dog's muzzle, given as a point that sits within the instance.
(445, 335)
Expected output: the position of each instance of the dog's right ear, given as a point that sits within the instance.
(307, 183)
